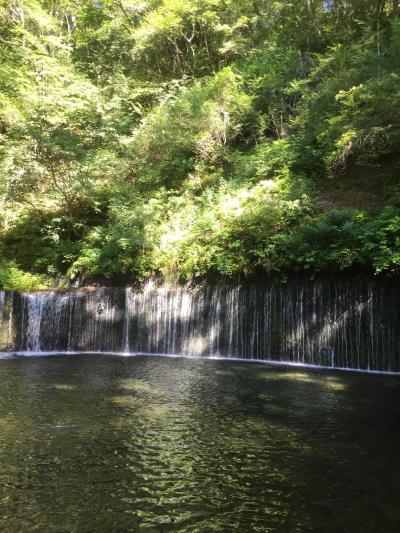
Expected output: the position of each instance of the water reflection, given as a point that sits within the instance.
(97, 443)
(324, 381)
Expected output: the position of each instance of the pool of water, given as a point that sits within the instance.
(106, 443)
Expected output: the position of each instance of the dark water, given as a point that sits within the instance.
(102, 443)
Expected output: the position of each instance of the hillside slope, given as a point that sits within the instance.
(189, 138)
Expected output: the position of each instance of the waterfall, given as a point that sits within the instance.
(336, 324)
(35, 304)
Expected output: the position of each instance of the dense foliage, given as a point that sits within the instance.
(186, 138)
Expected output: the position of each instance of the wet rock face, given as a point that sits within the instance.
(337, 324)
(7, 327)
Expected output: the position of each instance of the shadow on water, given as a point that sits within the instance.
(124, 444)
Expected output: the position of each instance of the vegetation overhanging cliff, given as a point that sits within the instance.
(187, 138)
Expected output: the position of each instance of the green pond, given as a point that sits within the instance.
(93, 443)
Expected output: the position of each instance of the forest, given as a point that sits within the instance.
(182, 139)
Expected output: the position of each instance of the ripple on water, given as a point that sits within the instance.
(97, 443)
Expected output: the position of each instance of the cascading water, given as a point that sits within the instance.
(35, 304)
(341, 324)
